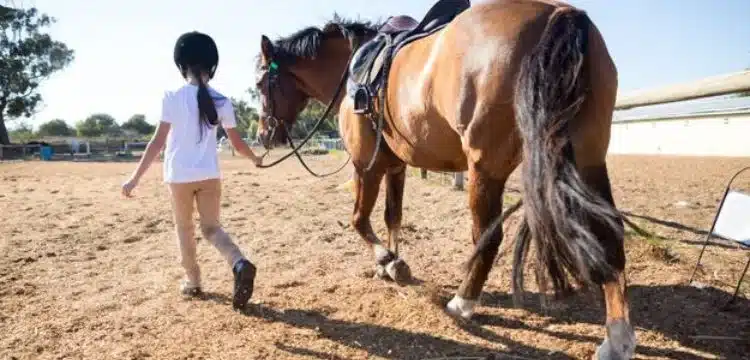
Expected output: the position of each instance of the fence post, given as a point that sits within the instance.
(458, 181)
(423, 173)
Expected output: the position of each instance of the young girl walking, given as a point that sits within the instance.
(189, 119)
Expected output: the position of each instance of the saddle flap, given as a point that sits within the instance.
(365, 60)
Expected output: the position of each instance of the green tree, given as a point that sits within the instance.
(98, 125)
(254, 94)
(245, 114)
(246, 117)
(305, 120)
(88, 128)
(252, 130)
(138, 124)
(22, 133)
(4, 10)
(107, 124)
(309, 116)
(27, 56)
(56, 127)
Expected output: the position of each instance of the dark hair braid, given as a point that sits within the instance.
(207, 115)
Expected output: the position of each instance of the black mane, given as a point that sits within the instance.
(306, 43)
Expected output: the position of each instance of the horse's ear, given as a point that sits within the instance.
(266, 48)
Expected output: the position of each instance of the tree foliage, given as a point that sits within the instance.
(309, 116)
(138, 125)
(56, 127)
(246, 117)
(4, 10)
(27, 57)
(98, 125)
(22, 133)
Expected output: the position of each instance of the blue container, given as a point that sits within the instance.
(45, 153)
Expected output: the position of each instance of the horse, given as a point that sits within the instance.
(503, 84)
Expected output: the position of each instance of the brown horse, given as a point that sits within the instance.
(505, 83)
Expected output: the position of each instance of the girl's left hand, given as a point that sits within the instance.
(128, 186)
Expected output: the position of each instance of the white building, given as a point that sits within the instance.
(718, 126)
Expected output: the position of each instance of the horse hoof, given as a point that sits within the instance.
(399, 271)
(620, 342)
(461, 308)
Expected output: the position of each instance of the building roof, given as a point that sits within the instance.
(705, 106)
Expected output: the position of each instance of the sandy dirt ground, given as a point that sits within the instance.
(86, 274)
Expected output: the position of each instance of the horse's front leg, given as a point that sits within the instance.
(367, 186)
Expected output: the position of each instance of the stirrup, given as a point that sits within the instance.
(362, 101)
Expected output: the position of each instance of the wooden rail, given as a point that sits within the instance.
(708, 87)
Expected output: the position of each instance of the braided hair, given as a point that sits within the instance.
(197, 53)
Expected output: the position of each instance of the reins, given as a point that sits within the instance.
(295, 149)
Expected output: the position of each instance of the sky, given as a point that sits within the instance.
(123, 49)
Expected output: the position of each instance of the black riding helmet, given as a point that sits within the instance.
(194, 48)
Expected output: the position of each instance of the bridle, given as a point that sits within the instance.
(273, 72)
(272, 122)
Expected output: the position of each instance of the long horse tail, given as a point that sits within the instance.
(560, 210)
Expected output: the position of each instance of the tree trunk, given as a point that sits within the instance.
(4, 139)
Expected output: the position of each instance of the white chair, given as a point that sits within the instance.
(732, 222)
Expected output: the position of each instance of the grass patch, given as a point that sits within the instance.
(655, 246)
(660, 249)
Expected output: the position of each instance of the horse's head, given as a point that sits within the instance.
(281, 95)
(307, 64)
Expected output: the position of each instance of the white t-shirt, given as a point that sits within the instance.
(187, 156)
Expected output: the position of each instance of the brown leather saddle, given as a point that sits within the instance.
(370, 64)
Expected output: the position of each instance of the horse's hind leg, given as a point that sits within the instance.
(367, 186)
(620, 342)
(486, 203)
(395, 179)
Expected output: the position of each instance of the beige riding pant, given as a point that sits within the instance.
(206, 195)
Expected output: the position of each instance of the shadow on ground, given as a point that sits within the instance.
(387, 342)
(694, 317)
(383, 341)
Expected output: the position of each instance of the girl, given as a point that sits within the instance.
(188, 125)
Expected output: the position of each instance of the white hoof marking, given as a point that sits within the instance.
(461, 307)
